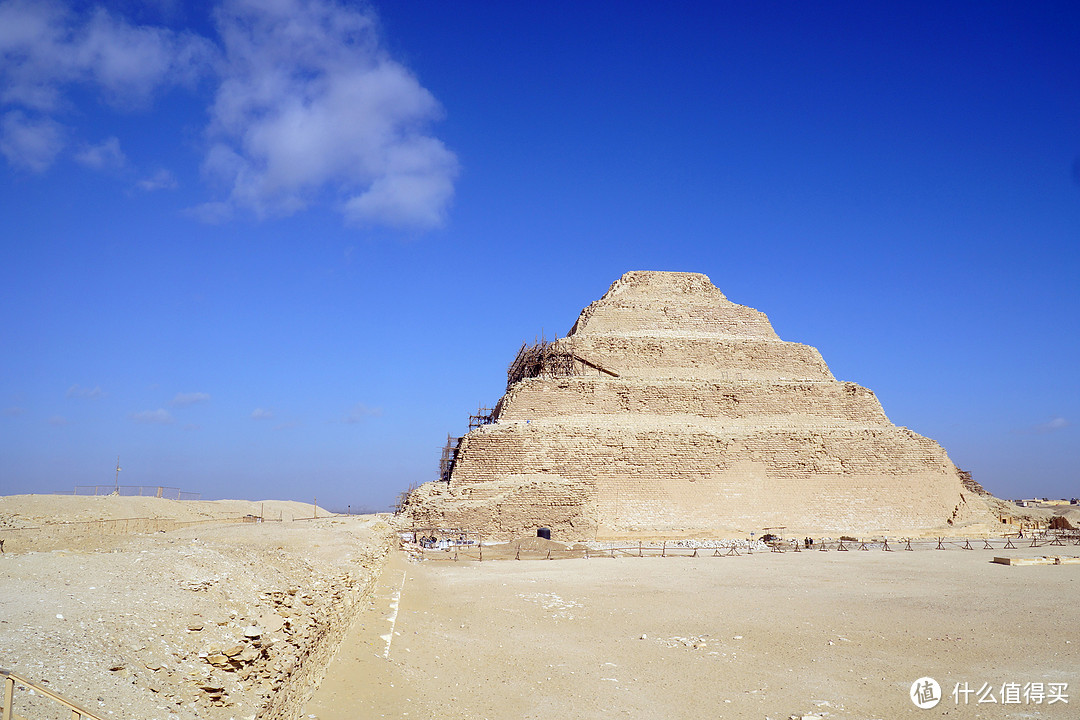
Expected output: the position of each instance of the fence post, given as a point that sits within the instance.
(9, 696)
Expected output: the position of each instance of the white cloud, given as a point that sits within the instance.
(1052, 425)
(161, 180)
(310, 105)
(131, 62)
(59, 421)
(77, 391)
(45, 48)
(261, 414)
(14, 411)
(106, 155)
(185, 399)
(211, 213)
(1058, 423)
(30, 143)
(35, 53)
(153, 417)
(360, 411)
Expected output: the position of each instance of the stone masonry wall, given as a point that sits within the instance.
(854, 480)
(712, 425)
(702, 358)
(681, 302)
(792, 402)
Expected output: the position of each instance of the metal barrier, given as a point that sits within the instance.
(158, 491)
(476, 551)
(77, 712)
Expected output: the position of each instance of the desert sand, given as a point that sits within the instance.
(208, 619)
(769, 635)
(321, 619)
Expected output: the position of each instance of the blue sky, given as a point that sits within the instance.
(280, 248)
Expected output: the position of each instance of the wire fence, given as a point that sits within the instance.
(528, 550)
(159, 491)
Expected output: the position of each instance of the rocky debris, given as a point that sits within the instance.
(179, 626)
(971, 483)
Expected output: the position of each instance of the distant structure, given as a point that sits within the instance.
(669, 410)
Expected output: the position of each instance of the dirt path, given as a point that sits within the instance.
(833, 635)
(366, 677)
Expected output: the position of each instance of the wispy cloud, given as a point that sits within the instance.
(359, 412)
(261, 414)
(211, 213)
(106, 155)
(14, 411)
(160, 180)
(185, 399)
(153, 417)
(286, 425)
(46, 48)
(30, 143)
(77, 391)
(1058, 423)
(1050, 426)
(59, 421)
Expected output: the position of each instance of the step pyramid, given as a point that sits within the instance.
(669, 410)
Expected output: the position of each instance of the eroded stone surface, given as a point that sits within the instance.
(705, 423)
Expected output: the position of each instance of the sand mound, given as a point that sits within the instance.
(28, 510)
(213, 620)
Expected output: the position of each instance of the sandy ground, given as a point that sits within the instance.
(769, 635)
(210, 620)
(225, 620)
